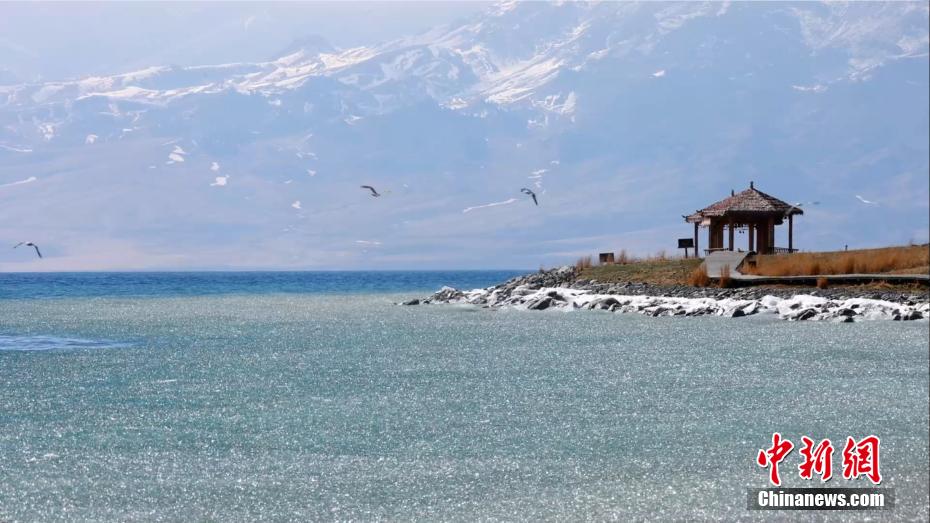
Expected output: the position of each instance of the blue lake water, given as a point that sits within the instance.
(90, 284)
(253, 401)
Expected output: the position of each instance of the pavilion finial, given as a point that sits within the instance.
(732, 192)
(751, 186)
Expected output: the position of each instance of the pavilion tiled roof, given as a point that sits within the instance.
(750, 201)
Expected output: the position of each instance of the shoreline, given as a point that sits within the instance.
(560, 289)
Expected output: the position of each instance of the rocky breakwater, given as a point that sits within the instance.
(561, 289)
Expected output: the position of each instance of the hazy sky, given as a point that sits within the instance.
(621, 116)
(66, 39)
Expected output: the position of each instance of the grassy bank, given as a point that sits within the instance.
(664, 271)
(889, 260)
(656, 272)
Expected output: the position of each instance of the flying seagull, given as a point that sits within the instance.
(374, 193)
(30, 244)
(799, 205)
(530, 193)
(867, 202)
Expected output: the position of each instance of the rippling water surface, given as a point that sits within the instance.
(248, 406)
(96, 284)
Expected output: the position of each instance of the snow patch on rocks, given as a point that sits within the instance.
(555, 290)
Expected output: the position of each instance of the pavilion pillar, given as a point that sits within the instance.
(762, 238)
(730, 229)
(752, 236)
(697, 247)
(771, 236)
(790, 233)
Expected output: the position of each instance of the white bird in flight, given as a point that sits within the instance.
(30, 244)
(798, 205)
(867, 202)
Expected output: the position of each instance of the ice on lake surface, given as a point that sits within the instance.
(248, 407)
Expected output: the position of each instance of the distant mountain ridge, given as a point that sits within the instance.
(510, 54)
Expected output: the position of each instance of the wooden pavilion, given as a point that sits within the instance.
(750, 211)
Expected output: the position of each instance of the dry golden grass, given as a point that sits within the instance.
(915, 270)
(624, 258)
(583, 263)
(653, 271)
(724, 280)
(897, 260)
(698, 277)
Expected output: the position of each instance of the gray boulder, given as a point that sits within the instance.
(541, 304)
(805, 314)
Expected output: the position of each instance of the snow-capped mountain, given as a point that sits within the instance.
(623, 116)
